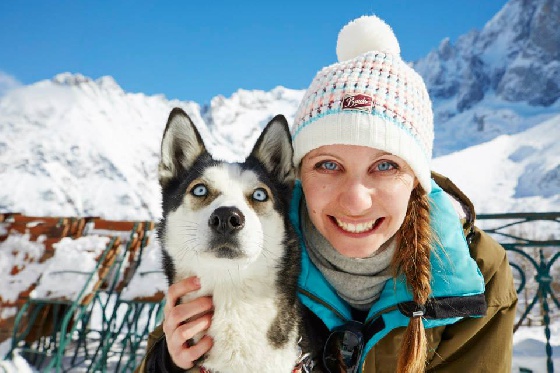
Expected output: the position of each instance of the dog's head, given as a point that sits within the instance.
(218, 214)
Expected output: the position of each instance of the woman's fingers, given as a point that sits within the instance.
(183, 354)
(191, 329)
(184, 321)
(182, 313)
(185, 357)
(178, 290)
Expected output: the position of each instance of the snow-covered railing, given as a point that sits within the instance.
(70, 278)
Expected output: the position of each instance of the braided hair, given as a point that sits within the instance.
(412, 260)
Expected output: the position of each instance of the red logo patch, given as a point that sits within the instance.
(357, 102)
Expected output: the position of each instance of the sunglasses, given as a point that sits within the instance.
(344, 347)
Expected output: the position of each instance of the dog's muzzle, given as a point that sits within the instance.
(226, 222)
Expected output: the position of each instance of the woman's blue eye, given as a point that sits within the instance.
(199, 190)
(385, 166)
(330, 166)
(260, 195)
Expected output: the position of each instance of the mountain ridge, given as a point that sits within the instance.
(73, 145)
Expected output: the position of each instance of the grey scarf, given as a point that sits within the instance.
(358, 281)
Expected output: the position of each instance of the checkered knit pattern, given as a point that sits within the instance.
(374, 99)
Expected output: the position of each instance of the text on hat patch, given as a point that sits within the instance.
(357, 102)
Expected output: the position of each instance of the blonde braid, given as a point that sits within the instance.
(412, 259)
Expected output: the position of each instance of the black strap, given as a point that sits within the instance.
(447, 307)
(371, 328)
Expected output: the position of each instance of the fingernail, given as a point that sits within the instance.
(196, 281)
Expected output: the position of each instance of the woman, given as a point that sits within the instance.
(391, 280)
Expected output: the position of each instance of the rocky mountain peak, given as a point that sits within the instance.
(70, 79)
(516, 55)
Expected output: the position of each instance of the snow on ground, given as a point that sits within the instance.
(19, 268)
(148, 277)
(65, 274)
(529, 348)
(71, 266)
(17, 365)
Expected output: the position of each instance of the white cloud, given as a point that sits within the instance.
(7, 83)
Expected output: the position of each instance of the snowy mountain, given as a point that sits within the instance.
(511, 173)
(514, 59)
(77, 146)
(516, 55)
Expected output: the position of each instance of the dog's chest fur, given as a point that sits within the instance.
(255, 326)
(245, 327)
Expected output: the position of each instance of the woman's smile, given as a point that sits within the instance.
(358, 228)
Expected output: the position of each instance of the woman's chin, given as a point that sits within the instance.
(358, 249)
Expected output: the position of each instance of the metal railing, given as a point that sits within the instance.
(532, 241)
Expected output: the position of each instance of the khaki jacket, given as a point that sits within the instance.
(471, 345)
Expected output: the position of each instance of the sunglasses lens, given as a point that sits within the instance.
(343, 351)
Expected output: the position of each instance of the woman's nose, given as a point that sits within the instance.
(355, 198)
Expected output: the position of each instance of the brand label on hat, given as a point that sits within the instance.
(357, 102)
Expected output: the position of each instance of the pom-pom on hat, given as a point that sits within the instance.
(371, 97)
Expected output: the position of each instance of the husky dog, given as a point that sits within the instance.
(227, 223)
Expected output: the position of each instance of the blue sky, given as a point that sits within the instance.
(195, 50)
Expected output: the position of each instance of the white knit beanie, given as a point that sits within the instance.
(371, 97)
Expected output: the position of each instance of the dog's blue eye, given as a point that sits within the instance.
(260, 195)
(199, 190)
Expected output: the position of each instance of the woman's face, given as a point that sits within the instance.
(356, 196)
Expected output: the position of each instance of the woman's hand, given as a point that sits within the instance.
(183, 321)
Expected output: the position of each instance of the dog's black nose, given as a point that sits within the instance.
(226, 220)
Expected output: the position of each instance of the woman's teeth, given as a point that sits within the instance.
(356, 228)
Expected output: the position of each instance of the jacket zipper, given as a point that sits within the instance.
(368, 321)
(323, 303)
(371, 319)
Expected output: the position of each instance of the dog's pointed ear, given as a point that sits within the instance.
(274, 150)
(180, 147)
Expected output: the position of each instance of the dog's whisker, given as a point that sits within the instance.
(187, 249)
(186, 223)
(189, 230)
(266, 252)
